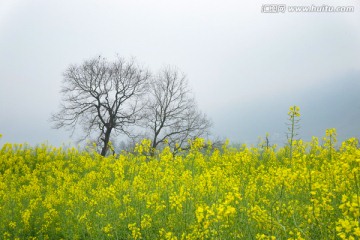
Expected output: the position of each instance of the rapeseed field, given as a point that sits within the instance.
(249, 192)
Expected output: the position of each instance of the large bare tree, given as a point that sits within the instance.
(172, 115)
(102, 97)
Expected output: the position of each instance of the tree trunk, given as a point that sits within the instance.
(106, 140)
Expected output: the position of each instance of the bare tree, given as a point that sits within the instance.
(172, 114)
(103, 97)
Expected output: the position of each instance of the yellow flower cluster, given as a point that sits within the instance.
(226, 193)
(294, 111)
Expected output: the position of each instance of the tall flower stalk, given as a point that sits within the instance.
(293, 127)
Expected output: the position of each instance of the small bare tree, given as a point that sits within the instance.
(172, 115)
(103, 97)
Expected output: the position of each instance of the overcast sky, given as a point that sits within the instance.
(245, 67)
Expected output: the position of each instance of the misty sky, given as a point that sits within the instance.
(245, 67)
